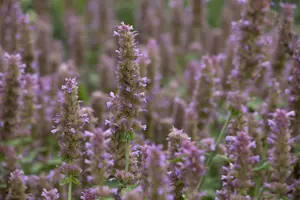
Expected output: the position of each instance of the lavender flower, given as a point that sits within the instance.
(76, 44)
(175, 138)
(106, 18)
(190, 76)
(9, 164)
(238, 102)
(70, 123)
(126, 105)
(256, 133)
(17, 185)
(179, 107)
(198, 14)
(156, 184)
(203, 93)
(11, 96)
(192, 167)
(294, 97)
(92, 13)
(228, 16)
(279, 55)
(191, 121)
(50, 195)
(249, 53)
(240, 150)
(143, 62)
(26, 44)
(106, 69)
(177, 23)
(11, 31)
(43, 45)
(168, 63)
(280, 154)
(98, 100)
(29, 105)
(153, 84)
(99, 161)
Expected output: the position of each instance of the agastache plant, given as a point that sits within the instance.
(126, 104)
(99, 160)
(177, 23)
(11, 96)
(248, 54)
(279, 60)
(157, 183)
(175, 140)
(280, 155)
(240, 151)
(195, 106)
(153, 84)
(17, 185)
(69, 132)
(191, 169)
(26, 44)
(203, 92)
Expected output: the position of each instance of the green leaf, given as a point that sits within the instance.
(113, 183)
(127, 136)
(75, 180)
(219, 157)
(37, 167)
(263, 166)
(65, 181)
(3, 186)
(129, 188)
(19, 141)
(54, 161)
(177, 159)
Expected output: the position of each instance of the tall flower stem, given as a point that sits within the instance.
(70, 188)
(213, 154)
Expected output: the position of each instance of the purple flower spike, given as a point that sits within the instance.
(240, 151)
(126, 105)
(280, 154)
(17, 185)
(69, 123)
(156, 184)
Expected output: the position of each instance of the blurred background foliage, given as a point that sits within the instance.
(126, 11)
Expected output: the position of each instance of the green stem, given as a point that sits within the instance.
(263, 188)
(127, 149)
(70, 188)
(213, 154)
(257, 186)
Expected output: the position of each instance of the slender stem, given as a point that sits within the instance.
(70, 188)
(213, 154)
(257, 186)
(127, 149)
(263, 188)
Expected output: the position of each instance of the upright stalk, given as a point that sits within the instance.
(213, 154)
(70, 188)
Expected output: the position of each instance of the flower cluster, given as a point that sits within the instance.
(125, 105)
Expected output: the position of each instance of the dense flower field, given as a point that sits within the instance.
(168, 109)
